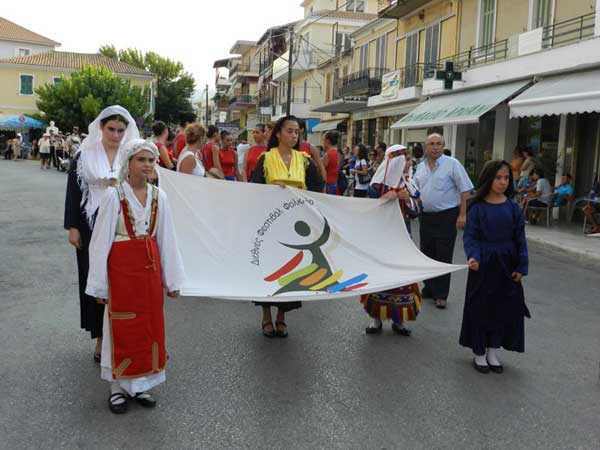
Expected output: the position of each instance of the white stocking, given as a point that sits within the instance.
(492, 357)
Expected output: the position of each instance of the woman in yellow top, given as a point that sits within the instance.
(283, 164)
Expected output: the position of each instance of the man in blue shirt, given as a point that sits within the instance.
(445, 188)
(564, 191)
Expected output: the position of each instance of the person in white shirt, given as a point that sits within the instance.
(190, 157)
(538, 197)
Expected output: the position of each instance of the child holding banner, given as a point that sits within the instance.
(284, 165)
(133, 259)
(496, 249)
(392, 181)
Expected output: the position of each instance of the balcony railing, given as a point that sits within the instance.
(364, 82)
(569, 31)
(243, 68)
(486, 54)
(242, 99)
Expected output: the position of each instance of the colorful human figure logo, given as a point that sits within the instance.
(317, 275)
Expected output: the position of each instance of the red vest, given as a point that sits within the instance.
(135, 305)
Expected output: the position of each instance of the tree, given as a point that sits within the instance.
(79, 99)
(175, 87)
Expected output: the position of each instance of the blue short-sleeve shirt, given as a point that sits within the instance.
(442, 187)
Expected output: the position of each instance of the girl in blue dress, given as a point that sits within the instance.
(496, 250)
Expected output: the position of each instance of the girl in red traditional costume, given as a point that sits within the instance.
(392, 181)
(134, 259)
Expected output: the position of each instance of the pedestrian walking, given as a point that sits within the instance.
(496, 249)
(94, 169)
(445, 187)
(392, 182)
(361, 171)
(134, 251)
(45, 151)
(284, 165)
(331, 161)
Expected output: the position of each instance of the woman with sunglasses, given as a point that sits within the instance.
(95, 168)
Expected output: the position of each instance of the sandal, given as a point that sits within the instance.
(120, 407)
(97, 357)
(266, 333)
(145, 399)
(281, 332)
(401, 330)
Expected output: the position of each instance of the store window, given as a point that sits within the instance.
(540, 134)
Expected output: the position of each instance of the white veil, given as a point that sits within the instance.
(391, 170)
(93, 173)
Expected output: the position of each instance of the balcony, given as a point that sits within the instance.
(396, 9)
(303, 61)
(244, 70)
(569, 31)
(366, 82)
(242, 102)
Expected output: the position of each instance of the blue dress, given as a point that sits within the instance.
(495, 307)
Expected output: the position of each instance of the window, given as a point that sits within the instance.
(364, 58)
(487, 22)
(57, 80)
(542, 13)
(336, 84)
(305, 91)
(342, 42)
(355, 5)
(432, 44)
(412, 56)
(26, 84)
(22, 52)
(380, 52)
(306, 42)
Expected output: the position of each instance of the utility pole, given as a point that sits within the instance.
(288, 105)
(207, 111)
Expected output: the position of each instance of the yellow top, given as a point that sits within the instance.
(277, 172)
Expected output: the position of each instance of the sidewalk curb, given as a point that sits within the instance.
(581, 255)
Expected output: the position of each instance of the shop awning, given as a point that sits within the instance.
(459, 108)
(565, 94)
(327, 126)
(343, 105)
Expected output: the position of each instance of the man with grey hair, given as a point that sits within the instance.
(445, 188)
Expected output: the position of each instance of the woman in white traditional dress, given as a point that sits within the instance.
(94, 169)
(134, 260)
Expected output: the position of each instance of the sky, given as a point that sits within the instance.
(195, 33)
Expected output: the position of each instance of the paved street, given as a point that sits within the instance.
(328, 386)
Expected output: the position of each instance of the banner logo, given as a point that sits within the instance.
(317, 276)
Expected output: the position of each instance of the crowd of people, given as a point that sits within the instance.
(119, 221)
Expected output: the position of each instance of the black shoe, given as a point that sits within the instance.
(374, 330)
(496, 369)
(481, 369)
(117, 408)
(402, 331)
(145, 399)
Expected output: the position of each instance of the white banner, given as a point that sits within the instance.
(245, 241)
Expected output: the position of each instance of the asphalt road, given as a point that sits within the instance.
(328, 386)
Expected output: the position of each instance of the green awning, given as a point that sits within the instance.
(461, 107)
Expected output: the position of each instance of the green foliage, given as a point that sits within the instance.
(79, 99)
(175, 87)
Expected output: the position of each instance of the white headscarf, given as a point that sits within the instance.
(131, 149)
(391, 170)
(93, 169)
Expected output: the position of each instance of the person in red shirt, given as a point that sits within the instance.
(331, 160)
(160, 133)
(225, 158)
(304, 146)
(185, 118)
(252, 155)
(213, 142)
